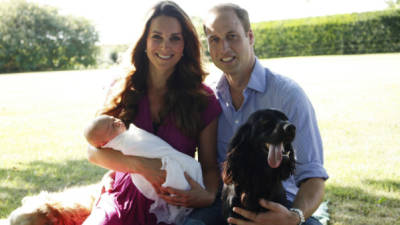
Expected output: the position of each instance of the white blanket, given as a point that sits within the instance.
(138, 142)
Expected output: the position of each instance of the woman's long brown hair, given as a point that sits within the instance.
(185, 98)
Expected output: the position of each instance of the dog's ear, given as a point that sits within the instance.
(227, 173)
(235, 152)
(233, 166)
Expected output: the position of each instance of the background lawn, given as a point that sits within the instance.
(356, 98)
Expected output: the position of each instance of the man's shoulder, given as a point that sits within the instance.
(280, 82)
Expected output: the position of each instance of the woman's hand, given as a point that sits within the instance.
(196, 197)
(151, 170)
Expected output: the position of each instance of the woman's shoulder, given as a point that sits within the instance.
(207, 89)
(213, 108)
(209, 93)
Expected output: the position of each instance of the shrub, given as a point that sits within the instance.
(34, 37)
(356, 33)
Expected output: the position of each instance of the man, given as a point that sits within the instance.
(246, 87)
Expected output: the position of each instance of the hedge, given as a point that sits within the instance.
(357, 33)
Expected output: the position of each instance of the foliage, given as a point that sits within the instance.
(34, 37)
(113, 54)
(393, 4)
(198, 24)
(356, 33)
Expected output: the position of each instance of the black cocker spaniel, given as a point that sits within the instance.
(260, 156)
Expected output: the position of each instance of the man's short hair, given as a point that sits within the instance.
(241, 13)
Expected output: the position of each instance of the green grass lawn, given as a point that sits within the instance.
(356, 98)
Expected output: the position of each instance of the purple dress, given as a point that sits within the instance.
(125, 204)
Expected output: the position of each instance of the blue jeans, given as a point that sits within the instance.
(207, 216)
(213, 215)
(200, 217)
(312, 221)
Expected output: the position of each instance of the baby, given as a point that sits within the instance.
(103, 129)
(110, 132)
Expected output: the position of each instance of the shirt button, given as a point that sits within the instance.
(237, 121)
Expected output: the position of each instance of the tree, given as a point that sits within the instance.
(34, 37)
(393, 4)
(198, 24)
(114, 57)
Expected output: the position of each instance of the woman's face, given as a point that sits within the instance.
(165, 44)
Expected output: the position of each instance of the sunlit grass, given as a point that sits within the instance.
(356, 98)
(357, 101)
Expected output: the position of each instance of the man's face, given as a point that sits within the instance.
(231, 48)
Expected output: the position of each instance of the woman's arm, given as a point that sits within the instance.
(114, 160)
(207, 156)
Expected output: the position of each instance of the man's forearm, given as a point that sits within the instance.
(310, 196)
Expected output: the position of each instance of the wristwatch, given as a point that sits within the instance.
(300, 213)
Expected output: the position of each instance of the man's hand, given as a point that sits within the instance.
(194, 198)
(277, 214)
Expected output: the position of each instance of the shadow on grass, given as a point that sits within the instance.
(353, 205)
(37, 176)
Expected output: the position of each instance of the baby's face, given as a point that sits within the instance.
(111, 127)
(104, 129)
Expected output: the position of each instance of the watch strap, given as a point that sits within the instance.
(300, 213)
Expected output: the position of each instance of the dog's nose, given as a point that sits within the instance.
(289, 131)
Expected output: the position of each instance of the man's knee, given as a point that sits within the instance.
(190, 221)
(312, 221)
(207, 216)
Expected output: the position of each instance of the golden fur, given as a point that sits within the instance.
(69, 207)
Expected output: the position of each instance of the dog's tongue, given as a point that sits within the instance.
(275, 155)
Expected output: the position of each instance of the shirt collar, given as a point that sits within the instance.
(222, 88)
(257, 78)
(256, 82)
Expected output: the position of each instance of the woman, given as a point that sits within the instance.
(164, 95)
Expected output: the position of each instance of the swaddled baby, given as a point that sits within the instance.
(110, 132)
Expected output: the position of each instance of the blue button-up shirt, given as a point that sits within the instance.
(269, 90)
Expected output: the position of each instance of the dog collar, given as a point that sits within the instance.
(300, 213)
